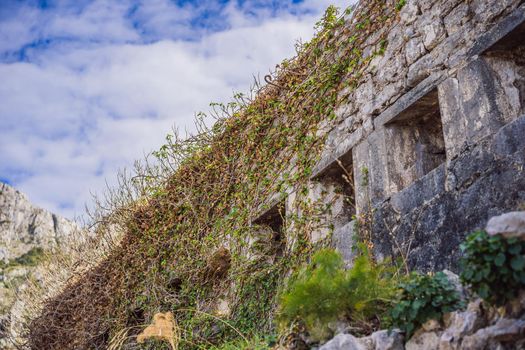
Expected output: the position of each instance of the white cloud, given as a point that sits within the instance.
(75, 111)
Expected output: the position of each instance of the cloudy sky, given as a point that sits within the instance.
(88, 86)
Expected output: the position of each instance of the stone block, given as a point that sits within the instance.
(484, 11)
(344, 342)
(509, 139)
(457, 19)
(469, 108)
(423, 340)
(422, 69)
(343, 240)
(414, 49)
(370, 169)
(361, 179)
(409, 12)
(421, 191)
(433, 32)
(508, 225)
(508, 70)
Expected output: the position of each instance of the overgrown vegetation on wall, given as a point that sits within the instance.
(187, 216)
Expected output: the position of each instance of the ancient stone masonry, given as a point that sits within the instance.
(432, 143)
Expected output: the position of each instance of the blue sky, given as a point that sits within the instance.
(88, 86)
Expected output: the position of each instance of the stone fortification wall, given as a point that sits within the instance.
(432, 141)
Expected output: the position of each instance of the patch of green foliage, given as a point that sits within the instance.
(257, 343)
(31, 258)
(400, 4)
(493, 266)
(329, 19)
(423, 298)
(324, 291)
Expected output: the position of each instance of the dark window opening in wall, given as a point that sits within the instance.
(338, 181)
(274, 218)
(415, 142)
(506, 59)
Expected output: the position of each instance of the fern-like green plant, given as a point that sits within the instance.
(324, 291)
(371, 288)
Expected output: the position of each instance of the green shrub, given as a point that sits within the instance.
(493, 266)
(324, 291)
(424, 297)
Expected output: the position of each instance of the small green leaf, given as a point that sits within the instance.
(515, 248)
(500, 259)
(517, 263)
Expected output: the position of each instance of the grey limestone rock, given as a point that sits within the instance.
(460, 324)
(505, 330)
(24, 226)
(344, 342)
(508, 225)
(385, 340)
(424, 340)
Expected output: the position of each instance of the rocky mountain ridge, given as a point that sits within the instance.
(26, 233)
(23, 226)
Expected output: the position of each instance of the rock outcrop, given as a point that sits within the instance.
(26, 233)
(477, 327)
(24, 226)
(508, 225)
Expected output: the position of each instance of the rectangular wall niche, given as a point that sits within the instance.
(415, 143)
(506, 58)
(337, 182)
(274, 218)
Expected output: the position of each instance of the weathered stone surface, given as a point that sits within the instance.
(423, 340)
(457, 18)
(477, 327)
(504, 331)
(344, 342)
(424, 189)
(433, 32)
(472, 52)
(481, 182)
(410, 12)
(460, 324)
(420, 70)
(385, 340)
(508, 225)
(343, 241)
(414, 50)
